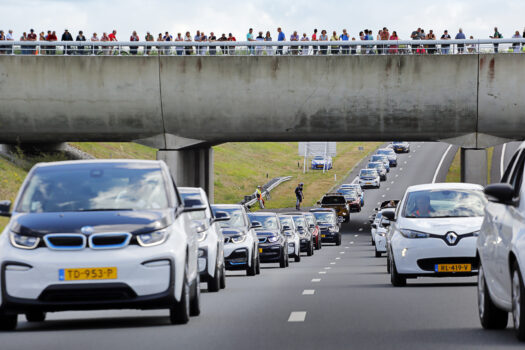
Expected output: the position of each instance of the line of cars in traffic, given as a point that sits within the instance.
(119, 234)
(458, 230)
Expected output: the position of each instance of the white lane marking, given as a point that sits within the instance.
(341, 252)
(397, 175)
(440, 164)
(409, 157)
(309, 292)
(502, 162)
(405, 161)
(338, 258)
(356, 235)
(332, 263)
(316, 280)
(378, 203)
(355, 180)
(327, 268)
(388, 188)
(297, 316)
(350, 243)
(383, 196)
(360, 229)
(400, 169)
(392, 182)
(322, 272)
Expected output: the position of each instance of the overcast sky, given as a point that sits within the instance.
(476, 17)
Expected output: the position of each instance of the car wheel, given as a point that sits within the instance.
(387, 263)
(309, 251)
(195, 308)
(297, 257)
(372, 242)
(251, 270)
(8, 322)
(287, 259)
(490, 316)
(338, 242)
(258, 265)
(282, 260)
(180, 312)
(223, 277)
(214, 284)
(518, 308)
(36, 316)
(378, 254)
(396, 279)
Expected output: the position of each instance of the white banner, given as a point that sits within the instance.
(313, 149)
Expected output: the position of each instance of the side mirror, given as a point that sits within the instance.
(256, 224)
(318, 202)
(194, 208)
(389, 215)
(5, 208)
(500, 193)
(385, 222)
(221, 216)
(374, 226)
(286, 228)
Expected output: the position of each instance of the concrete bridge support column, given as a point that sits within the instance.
(192, 167)
(474, 164)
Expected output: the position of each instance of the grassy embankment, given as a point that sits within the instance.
(454, 172)
(239, 168)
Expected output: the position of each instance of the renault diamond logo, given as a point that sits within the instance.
(451, 238)
(87, 230)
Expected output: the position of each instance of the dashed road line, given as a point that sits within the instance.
(338, 258)
(332, 263)
(341, 252)
(360, 229)
(309, 292)
(322, 272)
(297, 316)
(316, 280)
(388, 188)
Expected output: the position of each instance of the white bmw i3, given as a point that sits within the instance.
(90, 235)
(434, 231)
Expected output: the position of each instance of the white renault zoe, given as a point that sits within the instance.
(434, 231)
(90, 235)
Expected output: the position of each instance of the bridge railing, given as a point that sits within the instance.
(263, 48)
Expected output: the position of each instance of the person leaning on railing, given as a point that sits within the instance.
(445, 48)
(104, 38)
(231, 49)
(393, 50)
(294, 49)
(269, 49)
(149, 37)
(188, 50)
(81, 37)
(66, 36)
(179, 49)
(3, 48)
(134, 37)
(94, 48)
(314, 38)
(461, 36)
(323, 49)
(334, 49)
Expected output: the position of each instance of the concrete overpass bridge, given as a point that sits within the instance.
(184, 105)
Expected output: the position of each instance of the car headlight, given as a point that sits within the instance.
(152, 238)
(413, 234)
(238, 239)
(331, 229)
(202, 232)
(273, 239)
(382, 234)
(23, 241)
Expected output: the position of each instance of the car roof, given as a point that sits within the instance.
(99, 161)
(190, 189)
(261, 213)
(445, 186)
(232, 206)
(314, 210)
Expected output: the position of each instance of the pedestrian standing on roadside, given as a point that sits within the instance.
(269, 49)
(280, 37)
(496, 35)
(314, 38)
(299, 196)
(461, 36)
(445, 48)
(134, 37)
(323, 49)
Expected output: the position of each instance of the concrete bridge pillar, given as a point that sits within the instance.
(474, 165)
(192, 167)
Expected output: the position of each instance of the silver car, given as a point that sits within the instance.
(380, 168)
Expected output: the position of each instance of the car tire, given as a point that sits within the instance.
(297, 258)
(223, 277)
(195, 306)
(372, 242)
(387, 263)
(180, 312)
(338, 242)
(8, 322)
(287, 259)
(490, 316)
(258, 265)
(518, 307)
(251, 270)
(282, 260)
(214, 284)
(310, 250)
(36, 316)
(378, 254)
(396, 279)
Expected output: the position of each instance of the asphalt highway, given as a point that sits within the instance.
(340, 298)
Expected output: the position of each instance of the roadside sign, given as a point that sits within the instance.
(314, 149)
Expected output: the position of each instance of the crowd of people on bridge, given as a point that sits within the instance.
(383, 34)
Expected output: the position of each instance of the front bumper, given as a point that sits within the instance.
(380, 242)
(305, 244)
(270, 252)
(329, 237)
(418, 257)
(369, 184)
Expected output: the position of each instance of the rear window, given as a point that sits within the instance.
(333, 200)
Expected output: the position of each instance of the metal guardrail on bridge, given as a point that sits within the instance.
(262, 48)
(271, 185)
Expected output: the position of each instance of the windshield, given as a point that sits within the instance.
(319, 158)
(385, 151)
(268, 222)
(310, 219)
(333, 200)
(88, 188)
(444, 204)
(397, 142)
(236, 217)
(299, 221)
(377, 158)
(193, 200)
(286, 221)
(375, 165)
(324, 217)
(368, 172)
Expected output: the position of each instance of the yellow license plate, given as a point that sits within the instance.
(91, 273)
(323, 236)
(260, 250)
(453, 268)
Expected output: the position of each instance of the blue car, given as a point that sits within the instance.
(320, 161)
